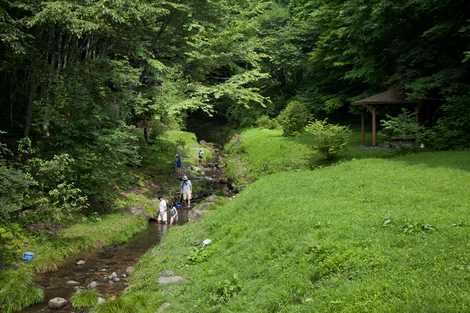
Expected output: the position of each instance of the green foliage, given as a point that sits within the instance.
(11, 242)
(18, 291)
(328, 139)
(14, 185)
(52, 196)
(403, 126)
(451, 131)
(294, 118)
(267, 122)
(225, 290)
(84, 299)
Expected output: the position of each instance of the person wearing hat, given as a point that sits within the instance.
(186, 190)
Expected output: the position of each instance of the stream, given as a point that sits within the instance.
(117, 261)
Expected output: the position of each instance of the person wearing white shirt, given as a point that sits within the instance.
(162, 212)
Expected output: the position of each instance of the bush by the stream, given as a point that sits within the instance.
(294, 118)
(18, 290)
(267, 122)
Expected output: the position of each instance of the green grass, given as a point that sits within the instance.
(85, 299)
(112, 228)
(263, 151)
(17, 289)
(370, 235)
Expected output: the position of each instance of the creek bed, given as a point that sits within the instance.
(99, 264)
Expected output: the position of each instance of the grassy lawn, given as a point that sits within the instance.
(264, 151)
(370, 235)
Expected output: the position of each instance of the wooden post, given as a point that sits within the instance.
(363, 128)
(374, 126)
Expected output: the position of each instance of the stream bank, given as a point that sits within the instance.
(107, 269)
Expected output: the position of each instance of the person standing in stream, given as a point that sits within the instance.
(178, 166)
(186, 190)
(162, 212)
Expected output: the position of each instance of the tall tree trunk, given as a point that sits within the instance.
(29, 110)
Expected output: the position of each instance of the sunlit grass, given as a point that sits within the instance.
(263, 151)
(370, 235)
(85, 299)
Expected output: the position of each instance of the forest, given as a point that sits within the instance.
(87, 86)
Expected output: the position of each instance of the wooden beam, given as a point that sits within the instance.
(363, 128)
(374, 126)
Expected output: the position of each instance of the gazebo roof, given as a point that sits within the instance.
(392, 96)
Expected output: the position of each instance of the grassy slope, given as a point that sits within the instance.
(364, 236)
(263, 151)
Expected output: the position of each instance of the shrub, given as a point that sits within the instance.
(265, 122)
(328, 139)
(10, 244)
(18, 290)
(294, 118)
(14, 185)
(452, 130)
(403, 126)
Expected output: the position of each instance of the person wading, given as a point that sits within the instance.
(178, 166)
(162, 212)
(186, 191)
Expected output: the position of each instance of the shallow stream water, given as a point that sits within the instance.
(99, 264)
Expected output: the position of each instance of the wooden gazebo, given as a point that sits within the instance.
(393, 96)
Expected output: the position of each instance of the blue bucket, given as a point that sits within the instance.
(28, 256)
(178, 205)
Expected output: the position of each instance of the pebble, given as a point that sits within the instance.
(57, 303)
(81, 262)
(129, 270)
(123, 275)
(92, 285)
(163, 307)
(168, 277)
(206, 242)
(73, 283)
(116, 279)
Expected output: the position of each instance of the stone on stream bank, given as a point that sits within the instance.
(163, 307)
(73, 283)
(92, 285)
(57, 303)
(169, 278)
(81, 262)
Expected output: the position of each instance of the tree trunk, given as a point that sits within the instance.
(29, 110)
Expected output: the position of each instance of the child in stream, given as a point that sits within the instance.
(174, 214)
(162, 214)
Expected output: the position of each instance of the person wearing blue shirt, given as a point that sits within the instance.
(179, 166)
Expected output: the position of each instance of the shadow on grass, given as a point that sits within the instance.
(458, 160)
